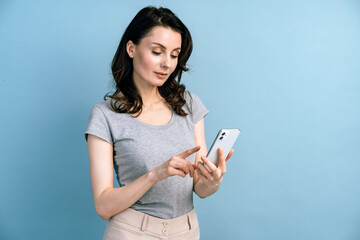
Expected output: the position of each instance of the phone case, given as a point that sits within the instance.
(224, 139)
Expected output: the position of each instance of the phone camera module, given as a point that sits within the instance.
(221, 138)
(223, 133)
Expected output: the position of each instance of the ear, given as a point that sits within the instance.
(130, 48)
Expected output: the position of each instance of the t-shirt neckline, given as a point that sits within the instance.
(164, 126)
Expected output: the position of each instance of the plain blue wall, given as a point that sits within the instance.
(286, 72)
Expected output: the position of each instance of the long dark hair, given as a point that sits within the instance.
(122, 66)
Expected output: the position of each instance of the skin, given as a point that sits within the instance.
(154, 59)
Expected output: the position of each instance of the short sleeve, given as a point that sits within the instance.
(98, 125)
(196, 107)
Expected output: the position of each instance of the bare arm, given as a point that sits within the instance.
(207, 183)
(109, 200)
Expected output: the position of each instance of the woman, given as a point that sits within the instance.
(152, 132)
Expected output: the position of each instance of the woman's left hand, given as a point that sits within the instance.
(213, 177)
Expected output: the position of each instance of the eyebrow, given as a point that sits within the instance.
(162, 46)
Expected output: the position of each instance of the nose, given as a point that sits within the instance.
(166, 62)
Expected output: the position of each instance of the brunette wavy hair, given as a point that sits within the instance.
(122, 66)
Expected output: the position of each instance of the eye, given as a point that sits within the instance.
(174, 56)
(156, 53)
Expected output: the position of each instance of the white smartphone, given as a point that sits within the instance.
(224, 139)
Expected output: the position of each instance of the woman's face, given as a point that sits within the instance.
(155, 57)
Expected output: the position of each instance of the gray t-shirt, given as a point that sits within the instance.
(140, 147)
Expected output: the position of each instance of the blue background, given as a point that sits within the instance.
(287, 73)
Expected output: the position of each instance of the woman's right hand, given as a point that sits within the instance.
(176, 165)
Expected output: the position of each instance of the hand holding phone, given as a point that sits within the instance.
(224, 139)
(211, 170)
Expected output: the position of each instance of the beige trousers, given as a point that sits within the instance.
(133, 225)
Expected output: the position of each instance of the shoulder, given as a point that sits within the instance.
(189, 95)
(104, 106)
(104, 109)
(191, 98)
(194, 107)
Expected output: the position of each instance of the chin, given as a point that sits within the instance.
(159, 83)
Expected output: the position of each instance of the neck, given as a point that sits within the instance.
(149, 94)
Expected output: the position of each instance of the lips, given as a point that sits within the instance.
(161, 75)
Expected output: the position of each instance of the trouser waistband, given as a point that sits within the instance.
(156, 225)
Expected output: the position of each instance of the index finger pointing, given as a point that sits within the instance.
(189, 152)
